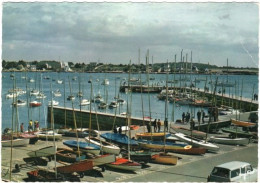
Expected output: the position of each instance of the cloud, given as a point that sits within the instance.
(113, 32)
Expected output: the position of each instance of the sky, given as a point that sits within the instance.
(113, 32)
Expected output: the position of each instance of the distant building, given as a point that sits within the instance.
(65, 66)
(33, 67)
(48, 66)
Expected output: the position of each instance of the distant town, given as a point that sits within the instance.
(97, 67)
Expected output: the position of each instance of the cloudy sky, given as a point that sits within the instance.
(113, 32)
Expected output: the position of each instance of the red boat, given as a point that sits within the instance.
(35, 104)
(125, 164)
(79, 167)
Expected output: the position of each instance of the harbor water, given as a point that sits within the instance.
(146, 103)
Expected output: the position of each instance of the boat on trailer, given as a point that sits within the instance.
(125, 164)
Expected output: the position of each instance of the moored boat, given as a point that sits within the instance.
(53, 103)
(57, 93)
(19, 103)
(83, 146)
(84, 102)
(35, 103)
(164, 158)
(70, 97)
(229, 141)
(113, 104)
(196, 142)
(125, 164)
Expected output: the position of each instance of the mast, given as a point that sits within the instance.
(166, 107)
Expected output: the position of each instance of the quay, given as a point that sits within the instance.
(221, 99)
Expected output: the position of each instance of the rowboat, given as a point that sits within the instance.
(229, 141)
(68, 155)
(41, 175)
(164, 158)
(19, 103)
(82, 132)
(125, 164)
(239, 132)
(16, 142)
(242, 123)
(84, 102)
(106, 147)
(186, 131)
(43, 152)
(49, 135)
(149, 136)
(158, 145)
(79, 167)
(121, 139)
(196, 142)
(35, 104)
(83, 146)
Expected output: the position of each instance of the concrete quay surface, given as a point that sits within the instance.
(190, 168)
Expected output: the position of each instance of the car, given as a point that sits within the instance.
(234, 171)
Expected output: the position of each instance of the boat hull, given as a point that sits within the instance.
(242, 123)
(83, 146)
(230, 141)
(187, 131)
(16, 142)
(165, 159)
(168, 146)
(68, 155)
(125, 164)
(43, 152)
(149, 136)
(78, 167)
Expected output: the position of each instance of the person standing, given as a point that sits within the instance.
(120, 130)
(166, 124)
(37, 126)
(183, 117)
(30, 127)
(159, 125)
(199, 115)
(115, 129)
(21, 128)
(203, 116)
(148, 128)
(155, 125)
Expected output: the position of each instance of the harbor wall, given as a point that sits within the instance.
(82, 117)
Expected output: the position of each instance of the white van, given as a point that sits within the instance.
(234, 171)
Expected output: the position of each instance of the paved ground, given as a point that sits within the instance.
(189, 169)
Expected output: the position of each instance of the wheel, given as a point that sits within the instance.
(81, 175)
(49, 158)
(103, 169)
(17, 167)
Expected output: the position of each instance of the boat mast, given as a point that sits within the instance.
(148, 88)
(140, 76)
(166, 107)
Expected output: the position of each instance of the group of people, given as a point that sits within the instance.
(186, 117)
(157, 125)
(255, 97)
(33, 126)
(201, 115)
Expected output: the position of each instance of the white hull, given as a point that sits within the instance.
(49, 136)
(196, 142)
(43, 152)
(15, 143)
(101, 160)
(229, 141)
(105, 146)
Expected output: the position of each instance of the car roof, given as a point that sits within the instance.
(233, 165)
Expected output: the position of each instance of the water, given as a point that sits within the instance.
(157, 107)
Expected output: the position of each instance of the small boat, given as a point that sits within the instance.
(53, 103)
(40, 95)
(186, 131)
(31, 80)
(59, 81)
(82, 132)
(34, 92)
(196, 142)
(16, 142)
(78, 167)
(153, 136)
(43, 152)
(11, 95)
(68, 155)
(102, 105)
(105, 82)
(57, 93)
(164, 158)
(236, 131)
(160, 145)
(19, 103)
(120, 101)
(113, 104)
(242, 123)
(140, 156)
(74, 78)
(31, 136)
(121, 139)
(41, 175)
(80, 94)
(103, 159)
(229, 141)
(84, 102)
(106, 147)
(98, 98)
(191, 151)
(35, 104)
(49, 135)
(83, 146)
(46, 77)
(125, 164)
(63, 129)
(70, 97)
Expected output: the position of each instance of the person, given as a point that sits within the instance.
(183, 117)
(120, 130)
(148, 127)
(192, 123)
(256, 97)
(37, 126)
(166, 124)
(30, 127)
(159, 125)
(199, 115)
(203, 116)
(219, 91)
(224, 91)
(187, 117)
(155, 125)
(22, 127)
(115, 129)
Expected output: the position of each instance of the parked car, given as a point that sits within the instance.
(234, 171)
